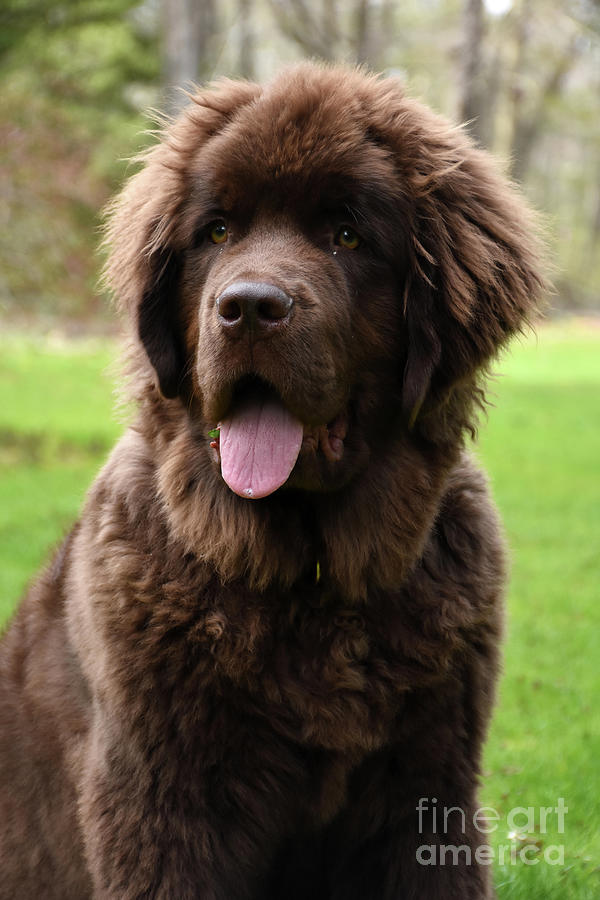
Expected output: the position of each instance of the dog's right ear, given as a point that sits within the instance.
(143, 267)
(157, 321)
(144, 233)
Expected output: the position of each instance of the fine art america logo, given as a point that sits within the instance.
(524, 827)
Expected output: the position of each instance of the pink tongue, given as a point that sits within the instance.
(259, 444)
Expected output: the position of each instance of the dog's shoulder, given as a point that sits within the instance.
(460, 578)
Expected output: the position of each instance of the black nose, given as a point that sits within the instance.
(253, 306)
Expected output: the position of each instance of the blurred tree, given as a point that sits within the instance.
(192, 37)
(73, 76)
(246, 64)
(85, 51)
(355, 30)
(316, 35)
(77, 75)
(530, 101)
(472, 88)
(364, 29)
(19, 17)
(188, 27)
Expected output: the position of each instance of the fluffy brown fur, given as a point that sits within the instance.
(212, 697)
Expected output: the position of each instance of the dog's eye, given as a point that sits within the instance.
(218, 232)
(348, 238)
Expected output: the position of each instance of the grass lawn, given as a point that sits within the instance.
(541, 447)
(56, 428)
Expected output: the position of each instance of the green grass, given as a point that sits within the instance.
(541, 447)
(56, 428)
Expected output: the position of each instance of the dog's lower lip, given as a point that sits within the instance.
(329, 439)
(333, 437)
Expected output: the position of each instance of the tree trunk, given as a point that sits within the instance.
(246, 45)
(362, 40)
(188, 26)
(471, 107)
(528, 121)
(296, 19)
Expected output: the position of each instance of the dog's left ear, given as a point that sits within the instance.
(474, 269)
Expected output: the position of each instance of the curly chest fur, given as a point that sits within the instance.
(323, 673)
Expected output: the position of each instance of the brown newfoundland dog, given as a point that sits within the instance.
(266, 653)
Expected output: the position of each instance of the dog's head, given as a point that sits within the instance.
(316, 266)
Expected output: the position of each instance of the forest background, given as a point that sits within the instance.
(78, 77)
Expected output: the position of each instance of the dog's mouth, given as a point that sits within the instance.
(258, 441)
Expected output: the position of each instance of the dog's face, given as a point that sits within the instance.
(290, 294)
(313, 263)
